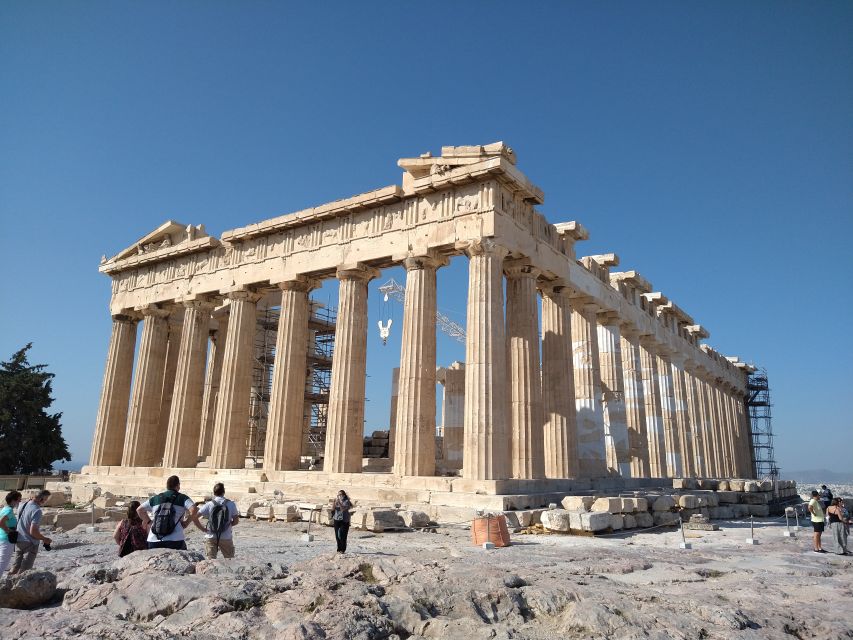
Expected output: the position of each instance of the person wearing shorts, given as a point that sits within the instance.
(818, 520)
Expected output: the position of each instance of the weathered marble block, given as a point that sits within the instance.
(578, 503)
(609, 505)
(556, 520)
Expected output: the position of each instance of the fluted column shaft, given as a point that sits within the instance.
(592, 462)
(185, 414)
(486, 455)
(654, 414)
(682, 417)
(452, 380)
(743, 416)
(558, 385)
(726, 467)
(414, 446)
(111, 422)
(283, 447)
(213, 374)
(173, 348)
(672, 444)
(635, 406)
(522, 314)
(718, 465)
(231, 425)
(140, 445)
(737, 438)
(700, 426)
(345, 423)
(613, 394)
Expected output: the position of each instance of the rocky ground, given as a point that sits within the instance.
(437, 585)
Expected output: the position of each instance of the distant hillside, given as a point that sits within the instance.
(819, 476)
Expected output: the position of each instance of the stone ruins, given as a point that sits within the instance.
(625, 392)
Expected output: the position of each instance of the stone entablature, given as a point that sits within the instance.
(648, 397)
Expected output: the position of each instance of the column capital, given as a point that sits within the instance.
(629, 330)
(299, 283)
(558, 288)
(242, 294)
(128, 317)
(520, 268)
(484, 246)
(152, 311)
(430, 260)
(200, 302)
(356, 271)
(609, 318)
(584, 304)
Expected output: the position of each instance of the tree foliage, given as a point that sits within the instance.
(30, 438)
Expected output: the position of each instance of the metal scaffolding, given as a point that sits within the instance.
(758, 404)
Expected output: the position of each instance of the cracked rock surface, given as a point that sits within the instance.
(410, 585)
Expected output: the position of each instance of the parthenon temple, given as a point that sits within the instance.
(604, 380)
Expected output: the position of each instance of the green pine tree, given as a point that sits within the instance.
(30, 438)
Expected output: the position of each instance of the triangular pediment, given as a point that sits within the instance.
(166, 235)
(168, 240)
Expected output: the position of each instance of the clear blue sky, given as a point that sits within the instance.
(708, 144)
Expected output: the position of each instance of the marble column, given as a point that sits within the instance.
(140, 445)
(414, 445)
(452, 380)
(717, 465)
(672, 444)
(486, 455)
(185, 414)
(392, 418)
(231, 425)
(654, 414)
(726, 468)
(700, 427)
(635, 406)
(111, 422)
(683, 429)
(613, 394)
(283, 447)
(213, 374)
(743, 417)
(737, 438)
(592, 455)
(525, 378)
(345, 425)
(558, 384)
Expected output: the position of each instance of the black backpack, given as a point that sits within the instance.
(220, 518)
(165, 520)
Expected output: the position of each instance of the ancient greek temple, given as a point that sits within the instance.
(610, 380)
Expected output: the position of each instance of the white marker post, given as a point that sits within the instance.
(787, 533)
(488, 544)
(684, 544)
(308, 536)
(751, 539)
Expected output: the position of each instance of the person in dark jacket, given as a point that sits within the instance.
(130, 534)
(341, 519)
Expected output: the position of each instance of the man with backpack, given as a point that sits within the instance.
(221, 514)
(169, 509)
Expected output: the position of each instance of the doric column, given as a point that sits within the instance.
(635, 406)
(726, 468)
(486, 455)
(652, 399)
(525, 377)
(185, 414)
(682, 416)
(140, 443)
(700, 426)
(414, 446)
(592, 461)
(672, 444)
(743, 417)
(111, 422)
(717, 465)
(213, 374)
(231, 425)
(345, 425)
(173, 348)
(613, 394)
(452, 380)
(558, 384)
(392, 421)
(737, 439)
(283, 447)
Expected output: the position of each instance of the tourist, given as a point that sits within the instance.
(131, 533)
(168, 508)
(221, 514)
(341, 519)
(837, 527)
(8, 529)
(825, 497)
(816, 511)
(29, 535)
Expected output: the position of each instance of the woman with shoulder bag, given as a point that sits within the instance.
(131, 534)
(8, 529)
(341, 519)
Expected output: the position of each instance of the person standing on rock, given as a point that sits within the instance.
(221, 514)
(816, 511)
(837, 527)
(131, 533)
(341, 519)
(168, 508)
(8, 529)
(29, 535)
(825, 497)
